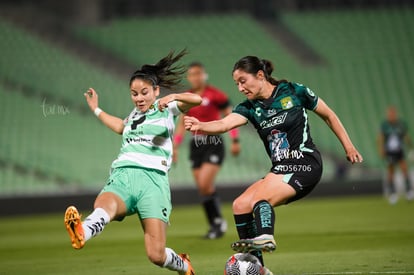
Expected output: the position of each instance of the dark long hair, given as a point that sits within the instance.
(165, 73)
(253, 64)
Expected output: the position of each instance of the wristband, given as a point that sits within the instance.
(97, 111)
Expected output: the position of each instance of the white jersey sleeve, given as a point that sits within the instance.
(173, 108)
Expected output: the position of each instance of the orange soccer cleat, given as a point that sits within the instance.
(190, 270)
(74, 227)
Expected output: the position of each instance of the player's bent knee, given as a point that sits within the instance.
(241, 205)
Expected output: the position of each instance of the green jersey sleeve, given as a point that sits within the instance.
(306, 96)
(243, 109)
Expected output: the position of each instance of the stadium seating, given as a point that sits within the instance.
(369, 60)
(369, 57)
(45, 71)
(49, 145)
(70, 150)
(217, 41)
(46, 136)
(16, 183)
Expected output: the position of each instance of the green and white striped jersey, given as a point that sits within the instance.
(147, 138)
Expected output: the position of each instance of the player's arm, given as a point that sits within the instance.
(332, 120)
(114, 123)
(185, 101)
(215, 127)
(179, 135)
(233, 133)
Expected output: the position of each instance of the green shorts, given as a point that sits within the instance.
(145, 192)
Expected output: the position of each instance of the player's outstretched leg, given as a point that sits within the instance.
(155, 236)
(178, 262)
(80, 232)
(264, 216)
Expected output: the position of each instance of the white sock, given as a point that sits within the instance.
(95, 223)
(174, 262)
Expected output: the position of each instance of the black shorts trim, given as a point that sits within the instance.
(303, 174)
(206, 149)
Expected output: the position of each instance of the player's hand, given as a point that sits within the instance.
(235, 148)
(353, 155)
(91, 98)
(163, 102)
(191, 124)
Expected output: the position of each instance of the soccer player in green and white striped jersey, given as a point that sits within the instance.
(138, 183)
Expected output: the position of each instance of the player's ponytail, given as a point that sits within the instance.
(164, 73)
(267, 66)
(253, 64)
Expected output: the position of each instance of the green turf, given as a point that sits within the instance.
(338, 235)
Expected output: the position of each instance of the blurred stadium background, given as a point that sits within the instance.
(357, 55)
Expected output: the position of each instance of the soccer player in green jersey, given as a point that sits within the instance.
(391, 145)
(277, 109)
(138, 183)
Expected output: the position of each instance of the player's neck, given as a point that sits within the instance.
(266, 91)
(199, 90)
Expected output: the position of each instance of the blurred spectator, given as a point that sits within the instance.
(392, 142)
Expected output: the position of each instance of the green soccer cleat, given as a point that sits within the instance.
(264, 243)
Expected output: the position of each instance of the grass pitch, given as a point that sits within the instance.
(358, 235)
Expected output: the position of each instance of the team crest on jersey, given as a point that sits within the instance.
(286, 103)
(152, 109)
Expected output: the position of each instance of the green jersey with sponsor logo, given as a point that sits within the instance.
(147, 138)
(282, 121)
